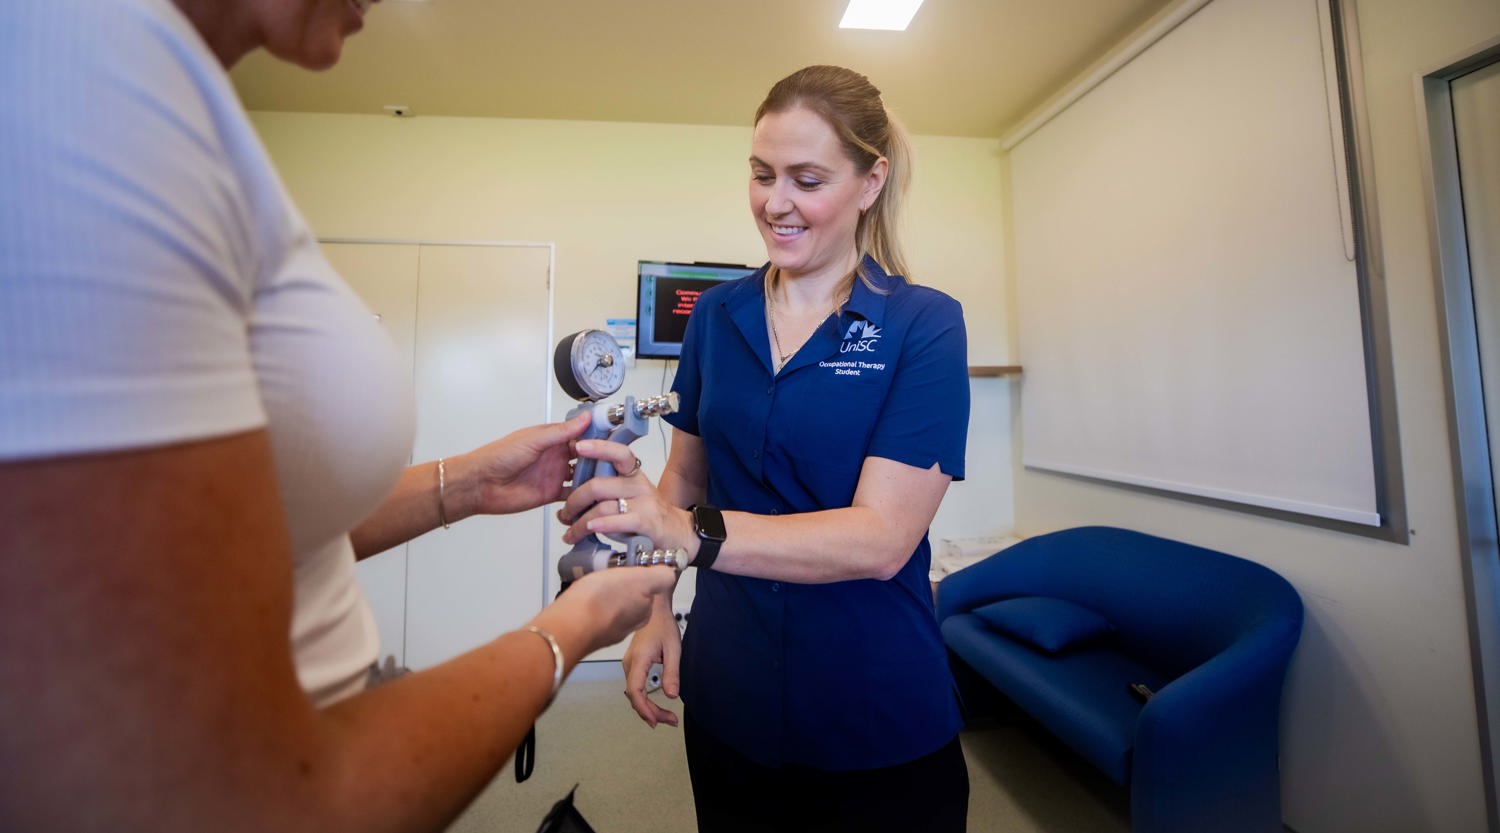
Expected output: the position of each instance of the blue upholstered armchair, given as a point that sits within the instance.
(1065, 624)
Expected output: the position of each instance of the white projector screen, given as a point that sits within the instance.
(1189, 305)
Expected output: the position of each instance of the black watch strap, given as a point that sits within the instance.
(708, 523)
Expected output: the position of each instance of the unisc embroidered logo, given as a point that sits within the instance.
(860, 338)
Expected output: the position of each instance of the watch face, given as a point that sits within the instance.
(710, 523)
(589, 365)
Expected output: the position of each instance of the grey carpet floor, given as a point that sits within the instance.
(632, 779)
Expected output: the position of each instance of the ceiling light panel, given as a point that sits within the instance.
(892, 15)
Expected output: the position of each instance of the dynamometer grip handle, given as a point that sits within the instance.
(623, 424)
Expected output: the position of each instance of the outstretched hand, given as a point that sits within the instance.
(605, 606)
(522, 470)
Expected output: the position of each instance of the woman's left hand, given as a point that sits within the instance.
(623, 505)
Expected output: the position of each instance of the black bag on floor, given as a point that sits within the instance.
(564, 817)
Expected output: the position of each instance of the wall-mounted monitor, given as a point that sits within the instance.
(664, 296)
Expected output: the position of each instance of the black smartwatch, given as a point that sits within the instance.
(708, 522)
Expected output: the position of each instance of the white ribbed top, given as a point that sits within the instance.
(157, 285)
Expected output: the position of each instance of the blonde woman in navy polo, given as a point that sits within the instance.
(825, 403)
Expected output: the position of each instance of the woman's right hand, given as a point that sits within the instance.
(605, 606)
(659, 641)
(624, 505)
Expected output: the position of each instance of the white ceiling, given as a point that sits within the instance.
(963, 68)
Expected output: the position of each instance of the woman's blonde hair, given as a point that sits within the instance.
(852, 106)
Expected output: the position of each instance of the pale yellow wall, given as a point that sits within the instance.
(1379, 730)
(1379, 727)
(609, 194)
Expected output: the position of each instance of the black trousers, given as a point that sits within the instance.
(733, 794)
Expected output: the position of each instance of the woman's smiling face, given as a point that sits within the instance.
(806, 194)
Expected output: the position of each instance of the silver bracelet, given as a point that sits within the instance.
(442, 485)
(557, 658)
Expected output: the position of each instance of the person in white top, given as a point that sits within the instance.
(201, 429)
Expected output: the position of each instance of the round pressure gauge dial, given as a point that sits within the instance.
(589, 365)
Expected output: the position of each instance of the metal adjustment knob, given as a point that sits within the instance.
(655, 406)
(651, 406)
(676, 558)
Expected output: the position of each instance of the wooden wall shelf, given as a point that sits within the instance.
(994, 370)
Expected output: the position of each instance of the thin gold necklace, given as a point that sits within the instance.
(776, 337)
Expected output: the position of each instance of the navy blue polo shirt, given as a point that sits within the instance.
(852, 674)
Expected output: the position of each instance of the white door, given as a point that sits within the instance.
(474, 320)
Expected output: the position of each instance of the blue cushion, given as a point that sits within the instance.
(1045, 623)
